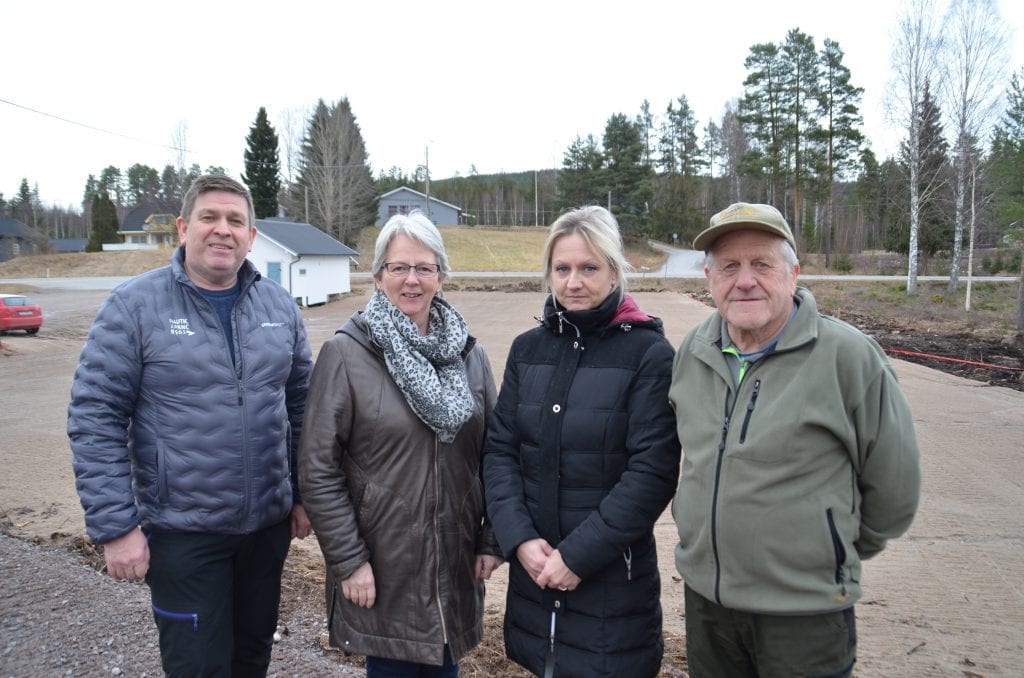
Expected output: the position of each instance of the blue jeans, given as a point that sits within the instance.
(378, 667)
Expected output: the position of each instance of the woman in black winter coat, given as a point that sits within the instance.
(580, 460)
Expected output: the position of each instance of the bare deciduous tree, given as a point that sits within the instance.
(338, 195)
(290, 122)
(973, 66)
(735, 146)
(914, 56)
(179, 141)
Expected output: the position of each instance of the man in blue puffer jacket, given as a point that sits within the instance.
(185, 415)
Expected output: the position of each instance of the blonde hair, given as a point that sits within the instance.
(599, 229)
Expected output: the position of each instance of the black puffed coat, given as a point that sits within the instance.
(582, 451)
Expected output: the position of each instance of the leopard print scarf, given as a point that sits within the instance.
(429, 370)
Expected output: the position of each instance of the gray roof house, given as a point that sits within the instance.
(403, 200)
(17, 238)
(307, 262)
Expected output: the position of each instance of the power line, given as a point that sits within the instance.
(95, 129)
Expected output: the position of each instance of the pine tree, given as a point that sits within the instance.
(628, 178)
(763, 119)
(24, 205)
(800, 89)
(262, 166)
(1007, 172)
(1006, 168)
(143, 184)
(581, 181)
(840, 134)
(112, 183)
(681, 161)
(104, 223)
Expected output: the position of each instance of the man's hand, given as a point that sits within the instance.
(127, 556)
(300, 522)
(485, 565)
(533, 555)
(360, 588)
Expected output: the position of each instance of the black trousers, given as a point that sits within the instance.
(215, 599)
(725, 642)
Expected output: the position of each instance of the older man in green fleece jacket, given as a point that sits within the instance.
(800, 462)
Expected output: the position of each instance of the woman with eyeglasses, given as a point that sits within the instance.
(389, 466)
(580, 460)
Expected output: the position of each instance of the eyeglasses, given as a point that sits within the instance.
(402, 270)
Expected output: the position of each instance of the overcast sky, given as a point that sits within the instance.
(502, 86)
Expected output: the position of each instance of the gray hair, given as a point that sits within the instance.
(786, 251)
(215, 182)
(599, 229)
(414, 225)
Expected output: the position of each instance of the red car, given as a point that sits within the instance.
(17, 312)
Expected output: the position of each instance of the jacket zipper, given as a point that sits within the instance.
(437, 537)
(718, 474)
(240, 388)
(240, 376)
(714, 499)
(750, 410)
(627, 555)
(839, 550)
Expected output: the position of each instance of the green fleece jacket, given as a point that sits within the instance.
(793, 478)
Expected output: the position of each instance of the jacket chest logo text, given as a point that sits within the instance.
(180, 326)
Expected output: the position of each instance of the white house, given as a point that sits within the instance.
(307, 262)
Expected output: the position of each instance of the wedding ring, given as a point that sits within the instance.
(563, 588)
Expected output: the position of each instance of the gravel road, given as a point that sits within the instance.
(63, 618)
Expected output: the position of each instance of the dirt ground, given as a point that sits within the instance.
(946, 600)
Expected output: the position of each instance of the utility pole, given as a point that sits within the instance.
(426, 155)
(536, 213)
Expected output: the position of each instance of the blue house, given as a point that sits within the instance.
(403, 200)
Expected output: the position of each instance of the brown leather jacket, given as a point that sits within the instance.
(380, 486)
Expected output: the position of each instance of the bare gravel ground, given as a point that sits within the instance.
(946, 600)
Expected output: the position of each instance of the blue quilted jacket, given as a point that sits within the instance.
(165, 431)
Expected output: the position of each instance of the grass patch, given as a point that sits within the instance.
(503, 249)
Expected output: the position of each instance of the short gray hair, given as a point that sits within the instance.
(215, 182)
(414, 225)
(599, 229)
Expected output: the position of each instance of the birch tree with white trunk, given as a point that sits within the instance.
(973, 67)
(914, 56)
